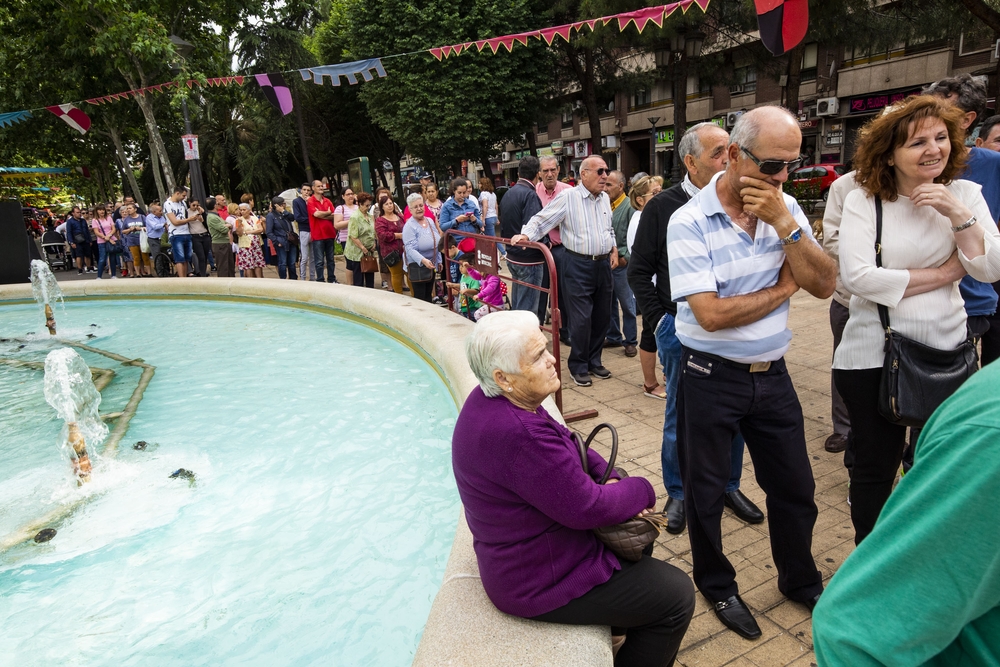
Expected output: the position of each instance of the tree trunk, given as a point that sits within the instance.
(680, 113)
(487, 168)
(99, 179)
(157, 176)
(397, 171)
(126, 168)
(155, 140)
(588, 86)
(532, 144)
(982, 11)
(109, 184)
(302, 137)
(794, 77)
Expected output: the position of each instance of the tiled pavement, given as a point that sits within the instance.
(786, 625)
(787, 633)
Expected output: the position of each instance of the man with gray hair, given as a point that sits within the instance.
(547, 188)
(519, 205)
(623, 331)
(583, 216)
(738, 251)
(703, 150)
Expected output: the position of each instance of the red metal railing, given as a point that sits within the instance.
(488, 262)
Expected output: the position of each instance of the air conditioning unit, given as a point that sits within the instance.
(506, 156)
(731, 118)
(736, 89)
(827, 106)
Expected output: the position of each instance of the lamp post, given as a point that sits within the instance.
(184, 49)
(685, 45)
(652, 145)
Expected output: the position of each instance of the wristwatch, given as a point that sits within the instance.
(794, 237)
(968, 223)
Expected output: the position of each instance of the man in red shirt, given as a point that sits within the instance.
(322, 231)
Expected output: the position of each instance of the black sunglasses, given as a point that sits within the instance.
(772, 167)
(601, 171)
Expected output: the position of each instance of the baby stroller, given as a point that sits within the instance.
(54, 247)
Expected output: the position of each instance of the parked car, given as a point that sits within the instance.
(819, 177)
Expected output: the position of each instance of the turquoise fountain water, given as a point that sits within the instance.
(316, 526)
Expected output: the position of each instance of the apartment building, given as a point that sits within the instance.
(839, 91)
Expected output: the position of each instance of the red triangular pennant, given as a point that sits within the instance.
(239, 79)
(458, 49)
(549, 34)
(94, 100)
(641, 18)
(436, 53)
(480, 44)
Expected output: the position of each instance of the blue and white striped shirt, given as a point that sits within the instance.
(584, 221)
(710, 253)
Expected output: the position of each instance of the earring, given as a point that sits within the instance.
(509, 389)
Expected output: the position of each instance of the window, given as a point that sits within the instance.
(975, 41)
(567, 117)
(745, 80)
(641, 98)
(810, 58)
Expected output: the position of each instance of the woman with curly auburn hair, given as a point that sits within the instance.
(935, 229)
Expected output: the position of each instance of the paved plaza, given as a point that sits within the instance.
(786, 625)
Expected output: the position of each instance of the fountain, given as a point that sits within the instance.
(70, 390)
(45, 288)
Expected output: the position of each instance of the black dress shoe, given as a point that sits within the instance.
(736, 616)
(600, 372)
(742, 507)
(582, 380)
(674, 509)
(811, 602)
(835, 443)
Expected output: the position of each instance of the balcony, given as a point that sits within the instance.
(891, 73)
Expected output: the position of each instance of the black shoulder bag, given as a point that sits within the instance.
(628, 539)
(916, 378)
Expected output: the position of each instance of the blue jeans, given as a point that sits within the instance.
(322, 251)
(521, 297)
(287, 256)
(669, 349)
(182, 248)
(623, 295)
(104, 257)
(491, 228)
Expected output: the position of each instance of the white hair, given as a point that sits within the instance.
(691, 141)
(548, 158)
(498, 343)
(748, 126)
(414, 198)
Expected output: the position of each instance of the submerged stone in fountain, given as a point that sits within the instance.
(140, 446)
(183, 473)
(44, 535)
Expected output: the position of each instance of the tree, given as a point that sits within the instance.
(465, 105)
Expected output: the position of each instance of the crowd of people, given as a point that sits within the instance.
(712, 264)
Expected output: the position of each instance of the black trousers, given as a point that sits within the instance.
(423, 291)
(714, 402)
(559, 259)
(589, 287)
(991, 337)
(201, 245)
(878, 447)
(651, 600)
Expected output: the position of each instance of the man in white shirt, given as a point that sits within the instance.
(179, 230)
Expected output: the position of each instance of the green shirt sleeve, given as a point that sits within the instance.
(924, 587)
(619, 221)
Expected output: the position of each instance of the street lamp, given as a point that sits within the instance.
(184, 49)
(652, 144)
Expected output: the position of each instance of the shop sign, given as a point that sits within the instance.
(667, 136)
(872, 103)
(190, 143)
(581, 148)
(835, 134)
(545, 151)
(557, 147)
(806, 124)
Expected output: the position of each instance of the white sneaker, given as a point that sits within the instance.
(114, 277)
(99, 278)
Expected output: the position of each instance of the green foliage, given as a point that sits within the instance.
(464, 106)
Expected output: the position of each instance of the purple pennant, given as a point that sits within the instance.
(276, 91)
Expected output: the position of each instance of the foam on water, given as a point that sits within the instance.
(318, 524)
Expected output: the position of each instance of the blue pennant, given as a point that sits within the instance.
(350, 70)
(13, 117)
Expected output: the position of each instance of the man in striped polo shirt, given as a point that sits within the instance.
(738, 251)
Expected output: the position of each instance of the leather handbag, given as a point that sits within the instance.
(628, 539)
(419, 273)
(917, 378)
(369, 264)
(392, 258)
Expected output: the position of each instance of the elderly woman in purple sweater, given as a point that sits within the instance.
(532, 508)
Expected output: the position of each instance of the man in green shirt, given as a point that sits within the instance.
(622, 210)
(222, 243)
(924, 587)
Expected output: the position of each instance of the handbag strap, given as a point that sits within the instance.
(883, 311)
(583, 446)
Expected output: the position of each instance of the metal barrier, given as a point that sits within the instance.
(487, 261)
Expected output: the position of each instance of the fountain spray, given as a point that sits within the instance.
(70, 390)
(45, 288)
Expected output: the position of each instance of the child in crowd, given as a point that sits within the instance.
(491, 293)
(467, 288)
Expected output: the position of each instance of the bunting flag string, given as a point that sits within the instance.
(275, 88)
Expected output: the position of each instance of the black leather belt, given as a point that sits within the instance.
(593, 258)
(756, 367)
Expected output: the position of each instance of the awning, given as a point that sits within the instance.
(510, 165)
